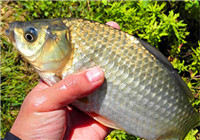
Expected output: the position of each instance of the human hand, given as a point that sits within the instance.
(45, 113)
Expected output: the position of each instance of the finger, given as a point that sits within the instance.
(81, 126)
(113, 24)
(41, 85)
(68, 90)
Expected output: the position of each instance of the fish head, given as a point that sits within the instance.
(44, 43)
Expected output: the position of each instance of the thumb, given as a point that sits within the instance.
(67, 90)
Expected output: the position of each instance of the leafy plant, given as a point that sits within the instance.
(172, 27)
(120, 135)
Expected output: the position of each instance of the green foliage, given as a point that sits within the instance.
(120, 135)
(192, 7)
(180, 65)
(16, 81)
(149, 21)
(195, 65)
(172, 27)
(191, 135)
(45, 9)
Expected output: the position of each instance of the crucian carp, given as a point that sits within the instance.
(142, 93)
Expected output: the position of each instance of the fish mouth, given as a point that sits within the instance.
(10, 34)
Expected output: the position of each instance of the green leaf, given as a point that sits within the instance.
(46, 13)
(104, 2)
(191, 135)
(145, 3)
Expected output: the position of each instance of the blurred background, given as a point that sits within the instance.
(172, 27)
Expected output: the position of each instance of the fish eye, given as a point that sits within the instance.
(31, 34)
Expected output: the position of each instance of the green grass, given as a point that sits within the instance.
(172, 27)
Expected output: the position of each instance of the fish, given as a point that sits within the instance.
(142, 92)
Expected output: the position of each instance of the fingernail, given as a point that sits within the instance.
(113, 24)
(94, 74)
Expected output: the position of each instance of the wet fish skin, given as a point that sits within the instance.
(142, 93)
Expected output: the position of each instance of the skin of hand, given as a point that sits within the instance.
(46, 113)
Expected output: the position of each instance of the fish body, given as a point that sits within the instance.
(142, 93)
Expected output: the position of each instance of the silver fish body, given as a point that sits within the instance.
(142, 93)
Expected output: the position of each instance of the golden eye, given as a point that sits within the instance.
(31, 34)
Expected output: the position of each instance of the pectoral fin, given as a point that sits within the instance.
(49, 78)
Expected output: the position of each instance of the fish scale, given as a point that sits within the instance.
(143, 57)
(141, 94)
